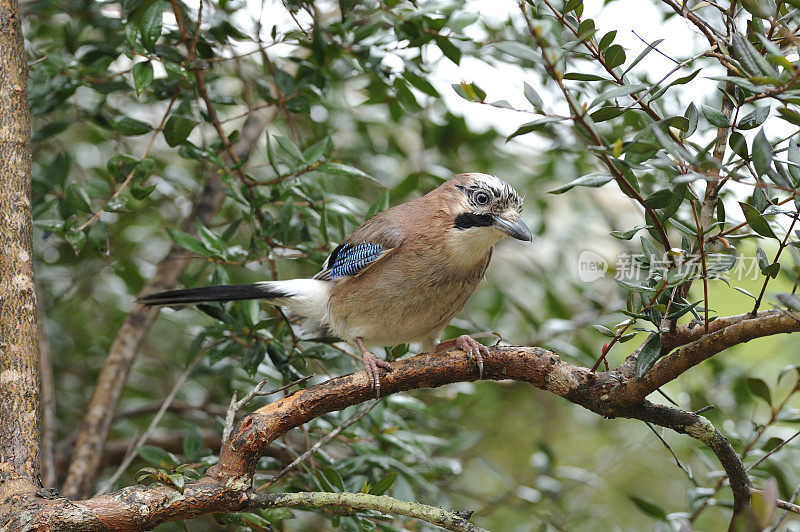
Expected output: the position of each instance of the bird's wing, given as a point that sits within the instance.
(373, 240)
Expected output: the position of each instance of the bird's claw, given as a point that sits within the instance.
(474, 350)
(372, 365)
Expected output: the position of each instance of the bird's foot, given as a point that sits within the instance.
(372, 365)
(474, 350)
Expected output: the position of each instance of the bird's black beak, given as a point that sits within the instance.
(516, 229)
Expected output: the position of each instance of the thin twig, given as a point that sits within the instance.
(156, 419)
(235, 405)
(363, 411)
(677, 461)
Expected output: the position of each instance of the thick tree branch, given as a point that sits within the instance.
(19, 337)
(103, 404)
(739, 329)
(226, 486)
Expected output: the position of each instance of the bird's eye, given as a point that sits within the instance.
(481, 198)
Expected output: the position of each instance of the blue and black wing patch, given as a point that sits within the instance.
(350, 259)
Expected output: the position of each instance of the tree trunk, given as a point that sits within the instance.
(19, 340)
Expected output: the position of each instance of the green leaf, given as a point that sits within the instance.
(691, 115)
(714, 117)
(627, 235)
(76, 239)
(155, 455)
(185, 240)
(381, 204)
(754, 119)
(617, 92)
(772, 270)
(177, 129)
(142, 76)
(794, 160)
(596, 179)
(77, 199)
(614, 56)
(449, 49)
(649, 507)
(580, 76)
(532, 126)
(192, 443)
(333, 476)
(383, 484)
(738, 144)
(762, 153)
(791, 301)
(607, 39)
(345, 169)
(532, 96)
(761, 257)
(756, 221)
(177, 480)
(658, 199)
(150, 24)
(130, 126)
(518, 50)
(648, 355)
(650, 47)
(421, 84)
(790, 115)
(760, 389)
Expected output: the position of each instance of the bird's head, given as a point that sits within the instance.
(486, 209)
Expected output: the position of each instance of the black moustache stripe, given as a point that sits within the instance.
(470, 219)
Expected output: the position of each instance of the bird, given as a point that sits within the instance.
(400, 277)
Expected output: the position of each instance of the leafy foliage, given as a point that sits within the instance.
(135, 111)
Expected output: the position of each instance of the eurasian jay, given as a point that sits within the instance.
(399, 277)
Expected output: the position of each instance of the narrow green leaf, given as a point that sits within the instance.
(648, 355)
(650, 47)
(580, 76)
(756, 221)
(383, 484)
(449, 49)
(421, 84)
(627, 235)
(533, 97)
(130, 126)
(185, 240)
(791, 301)
(596, 179)
(762, 153)
(518, 50)
(532, 126)
(691, 115)
(649, 507)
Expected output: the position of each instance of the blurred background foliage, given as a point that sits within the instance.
(377, 103)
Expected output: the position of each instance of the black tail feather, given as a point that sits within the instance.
(231, 292)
